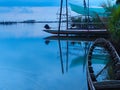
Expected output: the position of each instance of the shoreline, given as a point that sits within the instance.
(26, 22)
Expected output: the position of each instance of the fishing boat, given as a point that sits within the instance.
(91, 33)
(83, 29)
(113, 66)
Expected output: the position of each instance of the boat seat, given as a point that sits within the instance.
(107, 85)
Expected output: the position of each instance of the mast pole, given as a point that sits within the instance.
(88, 15)
(60, 16)
(66, 14)
(67, 56)
(59, 28)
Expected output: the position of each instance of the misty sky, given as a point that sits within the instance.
(29, 2)
(40, 2)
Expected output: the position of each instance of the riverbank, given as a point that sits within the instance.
(26, 21)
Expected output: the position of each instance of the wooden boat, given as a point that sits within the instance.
(113, 84)
(97, 33)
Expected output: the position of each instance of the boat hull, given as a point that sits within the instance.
(97, 33)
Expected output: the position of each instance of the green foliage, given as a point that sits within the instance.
(111, 73)
(108, 6)
(114, 24)
(117, 1)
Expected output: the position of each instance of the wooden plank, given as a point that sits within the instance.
(108, 84)
(89, 79)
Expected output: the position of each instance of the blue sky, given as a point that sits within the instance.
(29, 2)
(40, 2)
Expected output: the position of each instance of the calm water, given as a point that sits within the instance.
(29, 62)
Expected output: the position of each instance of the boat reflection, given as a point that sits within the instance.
(72, 50)
(100, 61)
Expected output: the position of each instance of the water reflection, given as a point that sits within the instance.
(30, 64)
(72, 53)
(34, 64)
(61, 57)
(101, 61)
(27, 62)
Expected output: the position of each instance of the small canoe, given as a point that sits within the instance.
(108, 84)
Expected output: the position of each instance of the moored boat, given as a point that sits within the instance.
(91, 33)
(113, 66)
